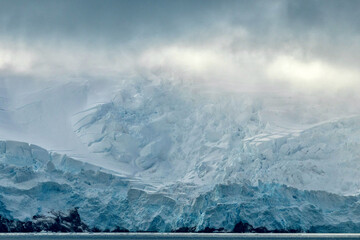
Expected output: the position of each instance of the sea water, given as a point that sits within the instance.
(171, 236)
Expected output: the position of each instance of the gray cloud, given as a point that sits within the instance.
(94, 20)
(114, 20)
(90, 36)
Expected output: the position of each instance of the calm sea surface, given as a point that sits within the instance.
(171, 236)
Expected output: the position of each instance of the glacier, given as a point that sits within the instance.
(36, 182)
(162, 134)
(154, 155)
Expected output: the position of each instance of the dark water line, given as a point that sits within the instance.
(170, 236)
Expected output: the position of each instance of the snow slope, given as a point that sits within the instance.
(163, 134)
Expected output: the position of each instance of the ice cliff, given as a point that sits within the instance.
(38, 183)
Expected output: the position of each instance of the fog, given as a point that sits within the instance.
(306, 50)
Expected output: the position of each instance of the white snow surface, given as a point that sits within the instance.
(158, 155)
(164, 134)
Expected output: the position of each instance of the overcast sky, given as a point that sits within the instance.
(305, 43)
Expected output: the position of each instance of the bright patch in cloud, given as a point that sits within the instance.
(16, 60)
(312, 73)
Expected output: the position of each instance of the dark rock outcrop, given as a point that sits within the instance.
(211, 230)
(56, 222)
(242, 227)
(185, 230)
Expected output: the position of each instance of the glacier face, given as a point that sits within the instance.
(36, 182)
(157, 156)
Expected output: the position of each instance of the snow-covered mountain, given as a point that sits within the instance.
(164, 134)
(154, 155)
